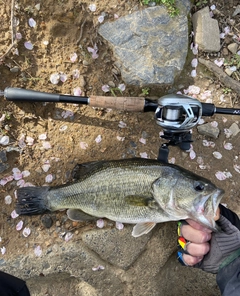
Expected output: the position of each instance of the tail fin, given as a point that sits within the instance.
(31, 200)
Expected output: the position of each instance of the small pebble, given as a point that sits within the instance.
(47, 221)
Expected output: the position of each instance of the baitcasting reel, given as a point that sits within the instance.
(176, 114)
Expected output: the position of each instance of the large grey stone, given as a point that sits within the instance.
(208, 130)
(119, 248)
(206, 31)
(149, 46)
(71, 258)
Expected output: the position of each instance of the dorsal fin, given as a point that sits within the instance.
(83, 169)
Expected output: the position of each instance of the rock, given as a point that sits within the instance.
(3, 159)
(208, 130)
(206, 31)
(228, 71)
(122, 248)
(47, 221)
(237, 10)
(234, 129)
(233, 47)
(225, 51)
(142, 44)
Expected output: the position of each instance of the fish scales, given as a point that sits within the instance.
(103, 193)
(141, 191)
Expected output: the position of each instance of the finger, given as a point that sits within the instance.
(198, 250)
(190, 260)
(194, 235)
(198, 226)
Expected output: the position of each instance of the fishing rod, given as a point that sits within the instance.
(175, 113)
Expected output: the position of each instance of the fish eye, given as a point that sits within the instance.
(199, 186)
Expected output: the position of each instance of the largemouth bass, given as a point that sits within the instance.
(139, 191)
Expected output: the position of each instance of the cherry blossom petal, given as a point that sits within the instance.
(214, 123)
(4, 140)
(106, 88)
(121, 139)
(46, 167)
(18, 36)
(222, 35)
(143, 155)
(101, 19)
(8, 199)
(122, 87)
(17, 174)
(193, 73)
(54, 78)
(119, 225)
(142, 140)
(199, 160)
(100, 223)
(68, 236)
(5, 180)
(73, 57)
(49, 178)
(172, 160)
(228, 146)
(219, 62)
(67, 113)
(122, 124)
(28, 45)
(77, 91)
(32, 23)
(98, 139)
(26, 231)
(19, 225)
(99, 267)
(201, 121)
(38, 251)
(194, 90)
(192, 154)
(42, 136)
(3, 250)
(208, 143)
(21, 183)
(237, 168)
(220, 176)
(63, 77)
(92, 7)
(223, 175)
(14, 215)
(194, 62)
(25, 173)
(76, 74)
(83, 145)
(46, 145)
(217, 155)
(227, 133)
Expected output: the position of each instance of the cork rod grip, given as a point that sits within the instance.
(121, 103)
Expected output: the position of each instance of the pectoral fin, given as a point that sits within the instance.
(142, 228)
(78, 215)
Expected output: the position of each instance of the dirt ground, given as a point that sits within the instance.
(62, 29)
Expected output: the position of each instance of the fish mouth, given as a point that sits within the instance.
(216, 198)
(206, 208)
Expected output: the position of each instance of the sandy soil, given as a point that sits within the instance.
(70, 27)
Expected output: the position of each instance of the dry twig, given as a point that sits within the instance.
(14, 42)
(221, 75)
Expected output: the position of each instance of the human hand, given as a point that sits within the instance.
(222, 249)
